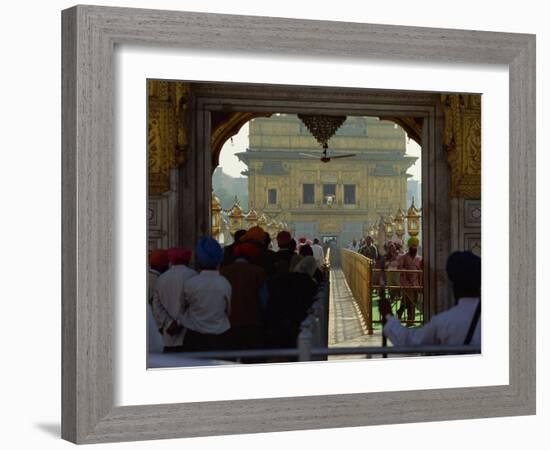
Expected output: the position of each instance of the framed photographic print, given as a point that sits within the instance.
(181, 129)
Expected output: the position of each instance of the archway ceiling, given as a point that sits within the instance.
(411, 125)
(227, 124)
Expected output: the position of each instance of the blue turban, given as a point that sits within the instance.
(464, 270)
(209, 253)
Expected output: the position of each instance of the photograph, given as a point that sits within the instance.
(296, 223)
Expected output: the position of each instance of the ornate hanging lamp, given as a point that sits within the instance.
(413, 220)
(251, 219)
(388, 227)
(322, 129)
(216, 216)
(400, 224)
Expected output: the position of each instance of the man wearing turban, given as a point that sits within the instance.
(301, 242)
(168, 299)
(207, 301)
(158, 264)
(318, 253)
(410, 281)
(413, 242)
(287, 247)
(254, 234)
(248, 297)
(283, 239)
(229, 250)
(460, 325)
(369, 249)
(259, 237)
(291, 294)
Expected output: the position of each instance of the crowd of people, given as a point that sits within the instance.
(460, 325)
(392, 258)
(249, 296)
(243, 296)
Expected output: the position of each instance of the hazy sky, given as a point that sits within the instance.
(232, 166)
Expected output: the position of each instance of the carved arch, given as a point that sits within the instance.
(224, 126)
(411, 125)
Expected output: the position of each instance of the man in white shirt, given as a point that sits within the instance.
(158, 264)
(460, 325)
(353, 245)
(207, 299)
(168, 300)
(318, 253)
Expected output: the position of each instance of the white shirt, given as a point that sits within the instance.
(154, 339)
(168, 301)
(448, 328)
(318, 254)
(152, 277)
(207, 303)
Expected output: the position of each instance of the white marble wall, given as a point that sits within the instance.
(162, 223)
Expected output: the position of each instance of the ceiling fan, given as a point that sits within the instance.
(323, 128)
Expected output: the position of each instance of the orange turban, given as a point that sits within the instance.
(254, 234)
(247, 250)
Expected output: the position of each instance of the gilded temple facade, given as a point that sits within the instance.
(339, 200)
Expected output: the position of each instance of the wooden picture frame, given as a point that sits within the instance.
(89, 36)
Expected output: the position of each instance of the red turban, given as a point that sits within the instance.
(283, 239)
(158, 258)
(302, 240)
(247, 250)
(178, 256)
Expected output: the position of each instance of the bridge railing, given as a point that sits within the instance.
(391, 281)
(326, 265)
(358, 272)
(315, 353)
(314, 328)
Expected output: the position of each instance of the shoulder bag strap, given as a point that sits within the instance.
(473, 324)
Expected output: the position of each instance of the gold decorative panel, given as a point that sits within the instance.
(329, 226)
(462, 141)
(166, 131)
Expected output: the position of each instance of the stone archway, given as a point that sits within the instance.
(215, 99)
